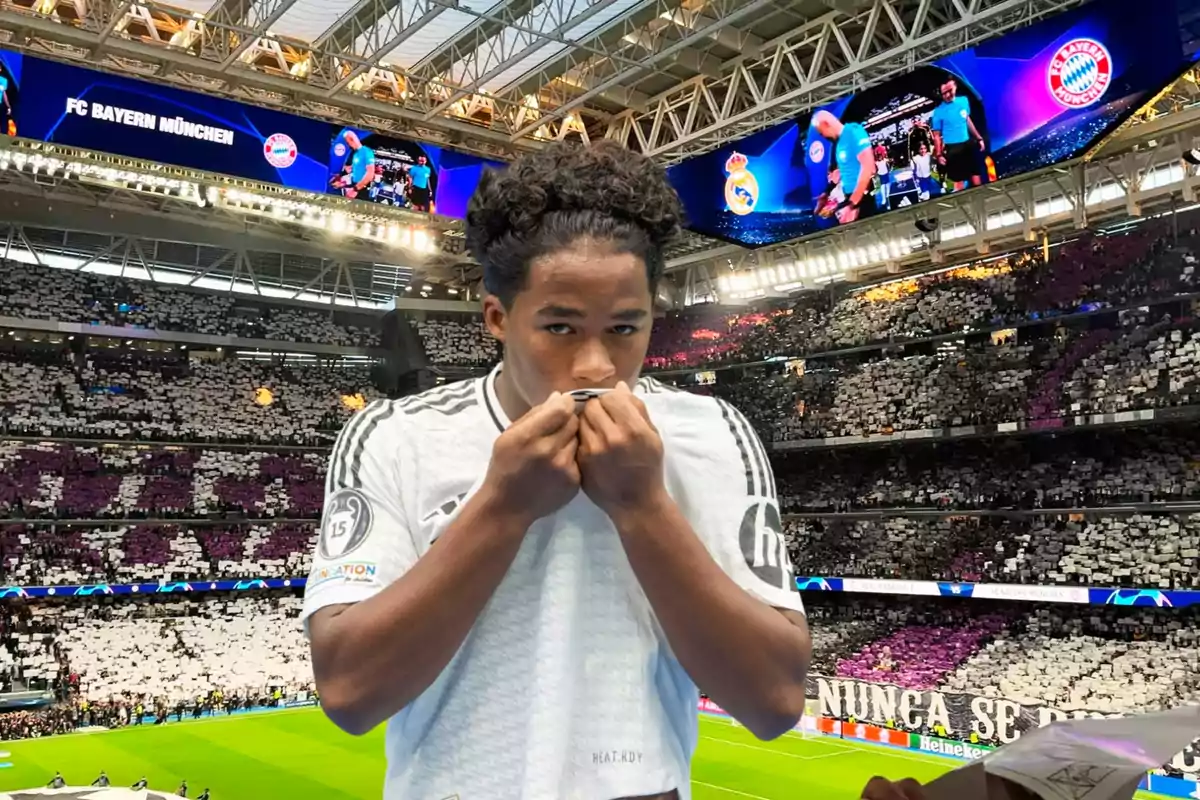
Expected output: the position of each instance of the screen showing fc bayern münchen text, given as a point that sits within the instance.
(1035, 97)
(72, 105)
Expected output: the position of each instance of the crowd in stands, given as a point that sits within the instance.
(127, 395)
(147, 659)
(1111, 660)
(200, 509)
(1146, 550)
(458, 342)
(1135, 364)
(29, 291)
(1090, 273)
(40, 480)
(68, 555)
(1084, 470)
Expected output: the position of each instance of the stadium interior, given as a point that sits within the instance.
(982, 411)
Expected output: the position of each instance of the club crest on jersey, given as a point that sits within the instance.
(346, 523)
(763, 545)
(1080, 73)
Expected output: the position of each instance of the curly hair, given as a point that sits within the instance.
(550, 199)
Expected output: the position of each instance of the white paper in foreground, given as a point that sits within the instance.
(1094, 759)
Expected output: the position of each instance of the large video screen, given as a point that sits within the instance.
(10, 92)
(80, 107)
(1012, 105)
(396, 172)
(67, 104)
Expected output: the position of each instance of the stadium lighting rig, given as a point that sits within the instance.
(813, 270)
(306, 213)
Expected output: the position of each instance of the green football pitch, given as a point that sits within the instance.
(285, 755)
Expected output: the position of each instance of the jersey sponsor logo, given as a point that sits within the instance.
(1080, 73)
(280, 150)
(763, 545)
(816, 151)
(346, 524)
(362, 572)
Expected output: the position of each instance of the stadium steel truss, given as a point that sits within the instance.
(671, 78)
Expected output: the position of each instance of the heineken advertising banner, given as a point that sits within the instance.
(952, 715)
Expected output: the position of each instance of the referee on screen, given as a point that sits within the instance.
(957, 142)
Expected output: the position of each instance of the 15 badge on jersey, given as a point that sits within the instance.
(346, 523)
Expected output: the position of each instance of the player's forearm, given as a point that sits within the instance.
(375, 657)
(366, 181)
(740, 651)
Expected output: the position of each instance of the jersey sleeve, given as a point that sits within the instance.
(365, 542)
(862, 142)
(730, 487)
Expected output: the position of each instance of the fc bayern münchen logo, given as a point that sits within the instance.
(280, 150)
(1080, 73)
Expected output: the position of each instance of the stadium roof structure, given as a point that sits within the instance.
(671, 78)
(668, 77)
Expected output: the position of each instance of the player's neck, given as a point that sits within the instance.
(513, 405)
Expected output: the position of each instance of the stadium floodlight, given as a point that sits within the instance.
(420, 240)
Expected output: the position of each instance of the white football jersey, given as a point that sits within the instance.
(566, 687)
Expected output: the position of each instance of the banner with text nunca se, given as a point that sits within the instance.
(955, 715)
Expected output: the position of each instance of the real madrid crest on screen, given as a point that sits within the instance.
(346, 523)
(763, 546)
(741, 187)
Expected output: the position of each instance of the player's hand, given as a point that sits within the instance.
(847, 214)
(982, 146)
(533, 471)
(883, 789)
(352, 193)
(942, 160)
(620, 452)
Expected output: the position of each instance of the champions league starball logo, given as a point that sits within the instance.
(1137, 597)
(813, 585)
(280, 150)
(1080, 73)
(741, 187)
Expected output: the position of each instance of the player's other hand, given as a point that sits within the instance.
(847, 214)
(620, 452)
(352, 193)
(533, 471)
(883, 789)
